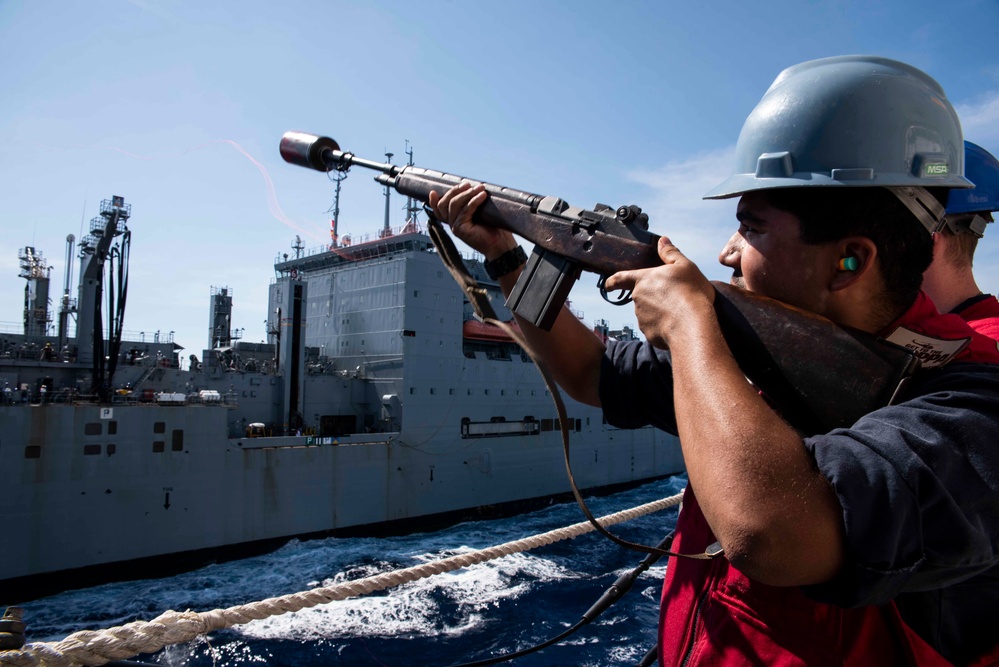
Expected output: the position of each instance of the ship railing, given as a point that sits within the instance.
(66, 396)
(349, 240)
(147, 336)
(16, 328)
(167, 398)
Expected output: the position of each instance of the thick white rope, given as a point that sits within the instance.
(99, 647)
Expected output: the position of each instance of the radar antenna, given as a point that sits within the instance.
(298, 246)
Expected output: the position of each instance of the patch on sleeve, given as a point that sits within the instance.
(931, 351)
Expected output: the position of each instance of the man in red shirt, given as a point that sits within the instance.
(949, 281)
(867, 545)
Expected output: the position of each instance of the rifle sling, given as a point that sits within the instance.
(484, 310)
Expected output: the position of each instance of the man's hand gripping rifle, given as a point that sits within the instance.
(820, 376)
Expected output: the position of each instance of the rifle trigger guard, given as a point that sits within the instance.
(620, 300)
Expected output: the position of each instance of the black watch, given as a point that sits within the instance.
(505, 263)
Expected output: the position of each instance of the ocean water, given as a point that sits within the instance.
(497, 607)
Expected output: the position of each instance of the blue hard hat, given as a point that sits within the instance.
(982, 169)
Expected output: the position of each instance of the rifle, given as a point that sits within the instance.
(819, 375)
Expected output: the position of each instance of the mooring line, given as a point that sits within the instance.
(99, 647)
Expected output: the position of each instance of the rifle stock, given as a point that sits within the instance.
(818, 375)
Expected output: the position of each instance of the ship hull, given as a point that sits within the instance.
(83, 504)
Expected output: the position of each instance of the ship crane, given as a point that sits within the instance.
(67, 305)
(106, 247)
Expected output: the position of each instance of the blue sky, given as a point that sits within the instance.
(179, 107)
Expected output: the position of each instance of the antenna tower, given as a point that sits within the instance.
(387, 229)
(412, 208)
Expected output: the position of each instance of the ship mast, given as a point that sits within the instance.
(387, 229)
(337, 176)
(412, 208)
(338, 173)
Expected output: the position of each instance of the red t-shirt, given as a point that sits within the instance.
(982, 314)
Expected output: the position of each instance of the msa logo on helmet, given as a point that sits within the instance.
(931, 165)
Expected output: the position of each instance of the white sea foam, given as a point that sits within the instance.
(443, 605)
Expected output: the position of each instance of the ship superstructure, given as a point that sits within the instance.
(378, 403)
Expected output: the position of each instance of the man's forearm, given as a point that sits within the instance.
(776, 516)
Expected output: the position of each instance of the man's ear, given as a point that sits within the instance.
(857, 257)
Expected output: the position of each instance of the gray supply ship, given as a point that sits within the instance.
(379, 404)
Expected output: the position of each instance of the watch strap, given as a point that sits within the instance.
(509, 261)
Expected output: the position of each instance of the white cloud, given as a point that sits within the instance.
(676, 209)
(980, 119)
(698, 227)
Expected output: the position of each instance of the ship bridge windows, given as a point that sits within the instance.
(177, 443)
(93, 428)
(159, 427)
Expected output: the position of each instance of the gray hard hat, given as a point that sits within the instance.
(849, 121)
